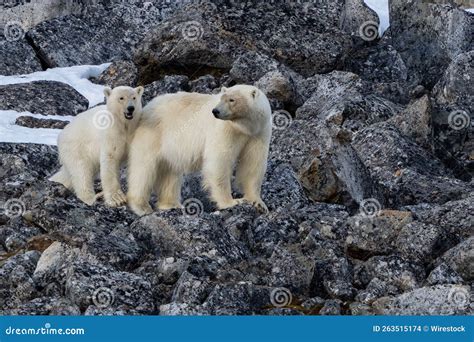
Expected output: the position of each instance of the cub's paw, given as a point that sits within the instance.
(258, 204)
(141, 209)
(116, 199)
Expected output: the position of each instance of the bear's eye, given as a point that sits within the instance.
(231, 100)
(121, 99)
(134, 98)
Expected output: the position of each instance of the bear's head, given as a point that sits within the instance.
(246, 106)
(124, 102)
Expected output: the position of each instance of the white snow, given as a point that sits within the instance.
(9, 132)
(470, 10)
(381, 8)
(75, 76)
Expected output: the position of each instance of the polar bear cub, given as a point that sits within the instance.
(98, 140)
(187, 132)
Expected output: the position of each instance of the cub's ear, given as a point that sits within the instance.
(107, 91)
(223, 89)
(254, 93)
(139, 90)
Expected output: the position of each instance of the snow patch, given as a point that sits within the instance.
(76, 76)
(11, 133)
(381, 8)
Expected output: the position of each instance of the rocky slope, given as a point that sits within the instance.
(369, 183)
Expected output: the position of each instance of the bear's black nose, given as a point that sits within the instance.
(130, 109)
(216, 112)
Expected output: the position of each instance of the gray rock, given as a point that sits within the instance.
(42, 97)
(407, 173)
(17, 57)
(167, 85)
(106, 32)
(418, 31)
(250, 66)
(46, 306)
(331, 308)
(276, 86)
(461, 258)
(433, 300)
(355, 19)
(333, 278)
(206, 84)
(119, 73)
(31, 122)
(443, 274)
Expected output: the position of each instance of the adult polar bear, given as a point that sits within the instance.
(187, 132)
(98, 140)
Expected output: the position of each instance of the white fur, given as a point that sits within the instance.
(97, 140)
(179, 134)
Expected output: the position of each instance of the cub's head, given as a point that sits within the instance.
(124, 101)
(245, 106)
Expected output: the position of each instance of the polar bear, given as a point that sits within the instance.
(187, 132)
(98, 140)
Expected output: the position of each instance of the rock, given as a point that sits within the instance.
(42, 97)
(331, 308)
(119, 73)
(422, 242)
(333, 278)
(443, 274)
(394, 275)
(106, 32)
(451, 216)
(251, 66)
(432, 300)
(453, 115)
(191, 289)
(46, 306)
(31, 122)
(359, 20)
(291, 269)
(206, 84)
(373, 233)
(276, 86)
(200, 39)
(415, 122)
(460, 258)
(407, 173)
(17, 57)
(419, 33)
(167, 85)
(182, 309)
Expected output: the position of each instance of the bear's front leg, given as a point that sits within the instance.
(110, 177)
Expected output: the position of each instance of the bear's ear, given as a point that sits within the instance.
(107, 91)
(139, 90)
(223, 89)
(254, 93)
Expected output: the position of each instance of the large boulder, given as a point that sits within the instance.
(199, 39)
(17, 57)
(420, 33)
(42, 97)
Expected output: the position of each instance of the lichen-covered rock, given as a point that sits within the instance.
(17, 57)
(31, 122)
(167, 85)
(42, 97)
(206, 84)
(418, 30)
(461, 258)
(119, 73)
(433, 300)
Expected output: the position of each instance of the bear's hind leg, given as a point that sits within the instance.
(168, 189)
(82, 178)
(63, 177)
